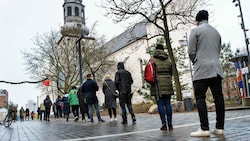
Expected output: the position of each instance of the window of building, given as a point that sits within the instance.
(76, 11)
(82, 14)
(233, 85)
(69, 11)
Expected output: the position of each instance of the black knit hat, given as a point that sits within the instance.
(201, 15)
(159, 46)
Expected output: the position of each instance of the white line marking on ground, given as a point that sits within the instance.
(144, 131)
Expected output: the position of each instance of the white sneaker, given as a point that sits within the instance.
(200, 133)
(218, 131)
(111, 119)
(115, 119)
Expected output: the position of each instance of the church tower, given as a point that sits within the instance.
(74, 19)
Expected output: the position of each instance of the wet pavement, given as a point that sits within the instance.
(147, 128)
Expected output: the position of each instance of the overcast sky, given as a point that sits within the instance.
(23, 20)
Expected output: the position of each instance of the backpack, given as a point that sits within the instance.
(150, 72)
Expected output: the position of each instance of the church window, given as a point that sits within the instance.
(69, 11)
(76, 11)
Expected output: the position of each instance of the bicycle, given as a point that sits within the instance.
(10, 116)
(8, 119)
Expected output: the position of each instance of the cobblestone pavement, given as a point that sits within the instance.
(237, 128)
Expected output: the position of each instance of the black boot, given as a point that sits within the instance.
(124, 122)
(170, 127)
(164, 127)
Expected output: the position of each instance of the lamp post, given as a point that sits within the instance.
(237, 3)
(78, 41)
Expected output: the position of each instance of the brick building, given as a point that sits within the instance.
(3, 97)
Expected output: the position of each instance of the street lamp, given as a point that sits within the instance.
(237, 3)
(78, 41)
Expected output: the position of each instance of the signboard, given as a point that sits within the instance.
(245, 70)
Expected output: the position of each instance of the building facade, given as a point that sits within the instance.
(3, 98)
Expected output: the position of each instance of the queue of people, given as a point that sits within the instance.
(85, 99)
(25, 115)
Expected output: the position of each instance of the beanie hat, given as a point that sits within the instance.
(159, 46)
(201, 15)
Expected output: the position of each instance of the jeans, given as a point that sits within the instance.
(200, 89)
(165, 108)
(91, 111)
(42, 114)
(47, 111)
(59, 111)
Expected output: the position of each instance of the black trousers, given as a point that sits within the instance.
(75, 110)
(125, 99)
(200, 89)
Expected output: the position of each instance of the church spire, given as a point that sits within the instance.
(74, 19)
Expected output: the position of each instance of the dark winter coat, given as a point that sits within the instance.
(165, 71)
(66, 107)
(89, 89)
(83, 106)
(47, 102)
(58, 102)
(108, 89)
(123, 80)
(27, 112)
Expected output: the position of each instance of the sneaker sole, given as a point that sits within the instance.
(200, 135)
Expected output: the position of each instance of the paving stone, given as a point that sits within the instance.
(237, 127)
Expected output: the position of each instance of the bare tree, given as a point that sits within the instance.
(48, 59)
(96, 60)
(165, 15)
(59, 61)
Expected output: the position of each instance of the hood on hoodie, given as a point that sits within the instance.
(160, 54)
(120, 65)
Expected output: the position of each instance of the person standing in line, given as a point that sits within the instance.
(66, 107)
(123, 82)
(89, 88)
(47, 103)
(204, 51)
(74, 102)
(54, 110)
(38, 112)
(21, 114)
(108, 89)
(27, 114)
(42, 111)
(58, 106)
(32, 114)
(83, 106)
(162, 88)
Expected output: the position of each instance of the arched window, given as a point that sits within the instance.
(69, 11)
(76, 11)
(82, 13)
